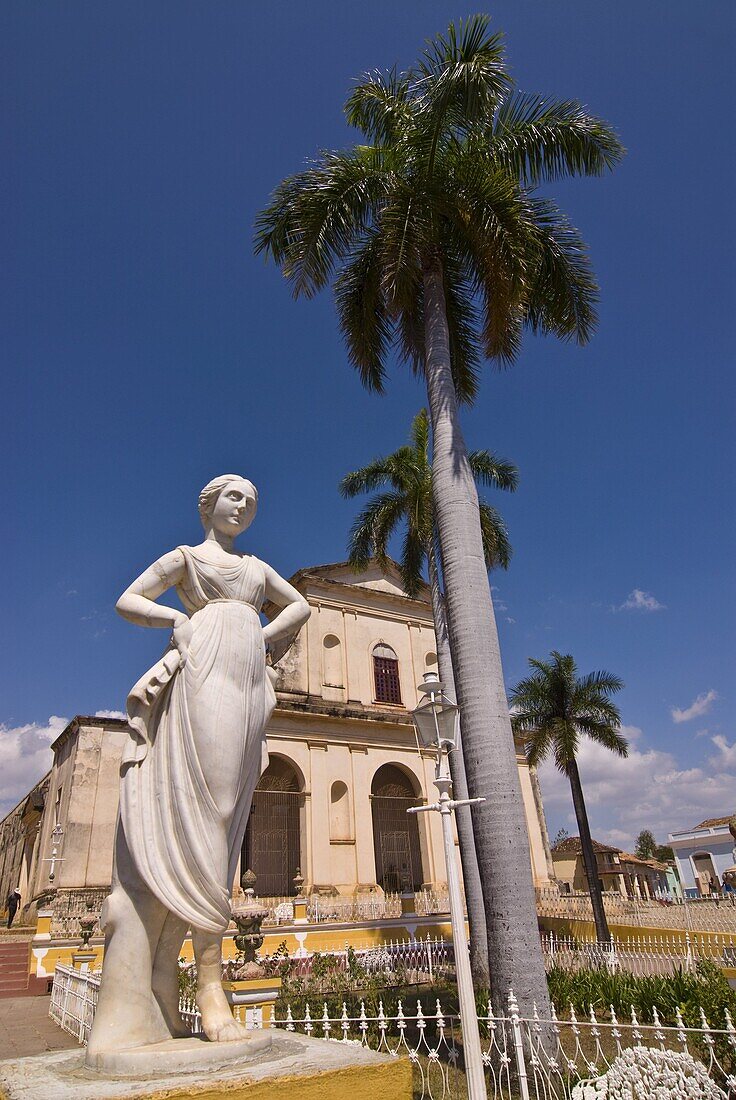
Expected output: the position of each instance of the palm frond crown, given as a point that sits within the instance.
(449, 157)
(402, 484)
(553, 708)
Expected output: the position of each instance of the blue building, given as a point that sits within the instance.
(704, 855)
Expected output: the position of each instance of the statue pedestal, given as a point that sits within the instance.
(312, 1069)
(197, 1054)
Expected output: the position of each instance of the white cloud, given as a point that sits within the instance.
(701, 705)
(640, 601)
(110, 714)
(646, 790)
(726, 753)
(25, 757)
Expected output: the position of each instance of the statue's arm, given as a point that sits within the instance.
(295, 612)
(138, 602)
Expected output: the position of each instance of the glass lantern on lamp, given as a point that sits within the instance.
(436, 719)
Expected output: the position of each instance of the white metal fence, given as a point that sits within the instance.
(527, 1058)
(695, 915)
(639, 955)
(74, 1000)
(413, 961)
(322, 908)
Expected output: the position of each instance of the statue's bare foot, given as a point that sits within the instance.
(217, 1019)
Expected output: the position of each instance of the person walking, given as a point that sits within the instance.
(13, 903)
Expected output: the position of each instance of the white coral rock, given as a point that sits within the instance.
(646, 1073)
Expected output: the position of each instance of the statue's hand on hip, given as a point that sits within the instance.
(182, 636)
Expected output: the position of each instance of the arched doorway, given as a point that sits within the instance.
(395, 832)
(705, 872)
(272, 845)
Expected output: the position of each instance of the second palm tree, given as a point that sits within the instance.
(552, 709)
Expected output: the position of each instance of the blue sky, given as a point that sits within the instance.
(146, 349)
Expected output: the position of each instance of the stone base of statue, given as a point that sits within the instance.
(312, 1069)
(170, 1056)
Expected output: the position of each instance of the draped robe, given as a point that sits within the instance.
(197, 745)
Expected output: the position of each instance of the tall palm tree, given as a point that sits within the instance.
(406, 500)
(552, 709)
(440, 248)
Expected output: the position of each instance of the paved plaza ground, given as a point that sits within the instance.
(25, 1028)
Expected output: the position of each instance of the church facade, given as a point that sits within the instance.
(329, 814)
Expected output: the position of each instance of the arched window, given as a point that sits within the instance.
(395, 832)
(331, 661)
(386, 675)
(430, 662)
(340, 812)
(272, 845)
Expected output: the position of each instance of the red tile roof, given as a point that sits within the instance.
(573, 845)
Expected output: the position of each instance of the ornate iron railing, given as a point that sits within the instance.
(640, 955)
(407, 961)
(525, 1058)
(429, 902)
(352, 910)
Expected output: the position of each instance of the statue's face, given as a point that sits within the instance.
(235, 509)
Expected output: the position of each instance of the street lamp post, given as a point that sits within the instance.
(437, 724)
(56, 834)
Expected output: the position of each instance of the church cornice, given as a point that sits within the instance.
(351, 712)
(368, 609)
(315, 574)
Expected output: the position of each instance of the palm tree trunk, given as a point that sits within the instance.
(463, 814)
(590, 863)
(501, 840)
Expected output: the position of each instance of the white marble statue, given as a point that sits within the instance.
(196, 751)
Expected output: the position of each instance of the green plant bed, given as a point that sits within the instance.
(703, 988)
(602, 988)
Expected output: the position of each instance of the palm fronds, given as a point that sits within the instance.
(450, 158)
(553, 707)
(402, 482)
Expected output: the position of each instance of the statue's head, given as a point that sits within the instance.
(228, 504)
